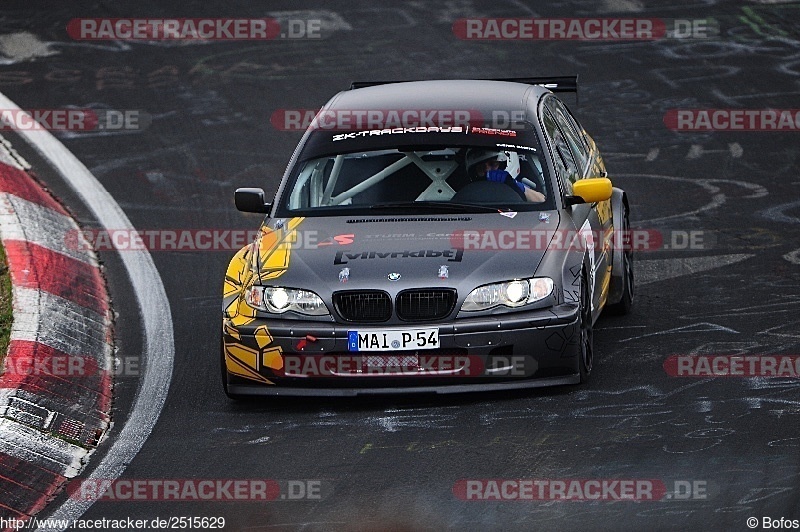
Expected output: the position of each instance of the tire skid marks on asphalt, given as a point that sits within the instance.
(786, 304)
(654, 270)
(777, 213)
(702, 327)
(328, 20)
(696, 151)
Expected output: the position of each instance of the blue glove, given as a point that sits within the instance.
(498, 176)
(501, 176)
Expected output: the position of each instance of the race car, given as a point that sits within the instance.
(429, 237)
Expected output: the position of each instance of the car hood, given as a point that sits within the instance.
(392, 253)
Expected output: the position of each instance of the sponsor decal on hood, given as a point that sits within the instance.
(452, 255)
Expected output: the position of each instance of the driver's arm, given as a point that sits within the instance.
(534, 196)
(501, 176)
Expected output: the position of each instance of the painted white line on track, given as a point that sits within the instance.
(793, 257)
(653, 270)
(718, 198)
(158, 350)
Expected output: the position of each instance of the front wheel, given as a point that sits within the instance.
(586, 330)
(626, 301)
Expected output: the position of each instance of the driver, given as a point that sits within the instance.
(504, 167)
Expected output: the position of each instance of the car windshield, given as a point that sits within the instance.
(431, 178)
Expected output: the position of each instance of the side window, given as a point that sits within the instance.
(563, 161)
(571, 130)
(574, 123)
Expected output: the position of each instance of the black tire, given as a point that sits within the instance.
(628, 282)
(586, 354)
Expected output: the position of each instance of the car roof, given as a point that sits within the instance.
(441, 95)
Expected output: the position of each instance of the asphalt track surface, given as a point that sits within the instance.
(394, 461)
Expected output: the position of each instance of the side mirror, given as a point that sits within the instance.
(251, 200)
(590, 191)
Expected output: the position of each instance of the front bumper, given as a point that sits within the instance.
(516, 350)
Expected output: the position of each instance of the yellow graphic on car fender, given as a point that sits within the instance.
(235, 279)
(604, 213)
(242, 361)
(262, 336)
(274, 250)
(265, 259)
(273, 358)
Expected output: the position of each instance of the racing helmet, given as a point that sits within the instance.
(509, 160)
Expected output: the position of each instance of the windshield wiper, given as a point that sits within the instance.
(428, 205)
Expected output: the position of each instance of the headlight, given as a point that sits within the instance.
(278, 300)
(510, 294)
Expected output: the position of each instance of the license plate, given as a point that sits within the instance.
(393, 340)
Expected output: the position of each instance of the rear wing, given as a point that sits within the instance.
(553, 83)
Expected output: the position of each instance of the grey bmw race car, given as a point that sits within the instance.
(430, 236)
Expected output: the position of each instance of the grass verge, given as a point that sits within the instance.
(6, 316)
